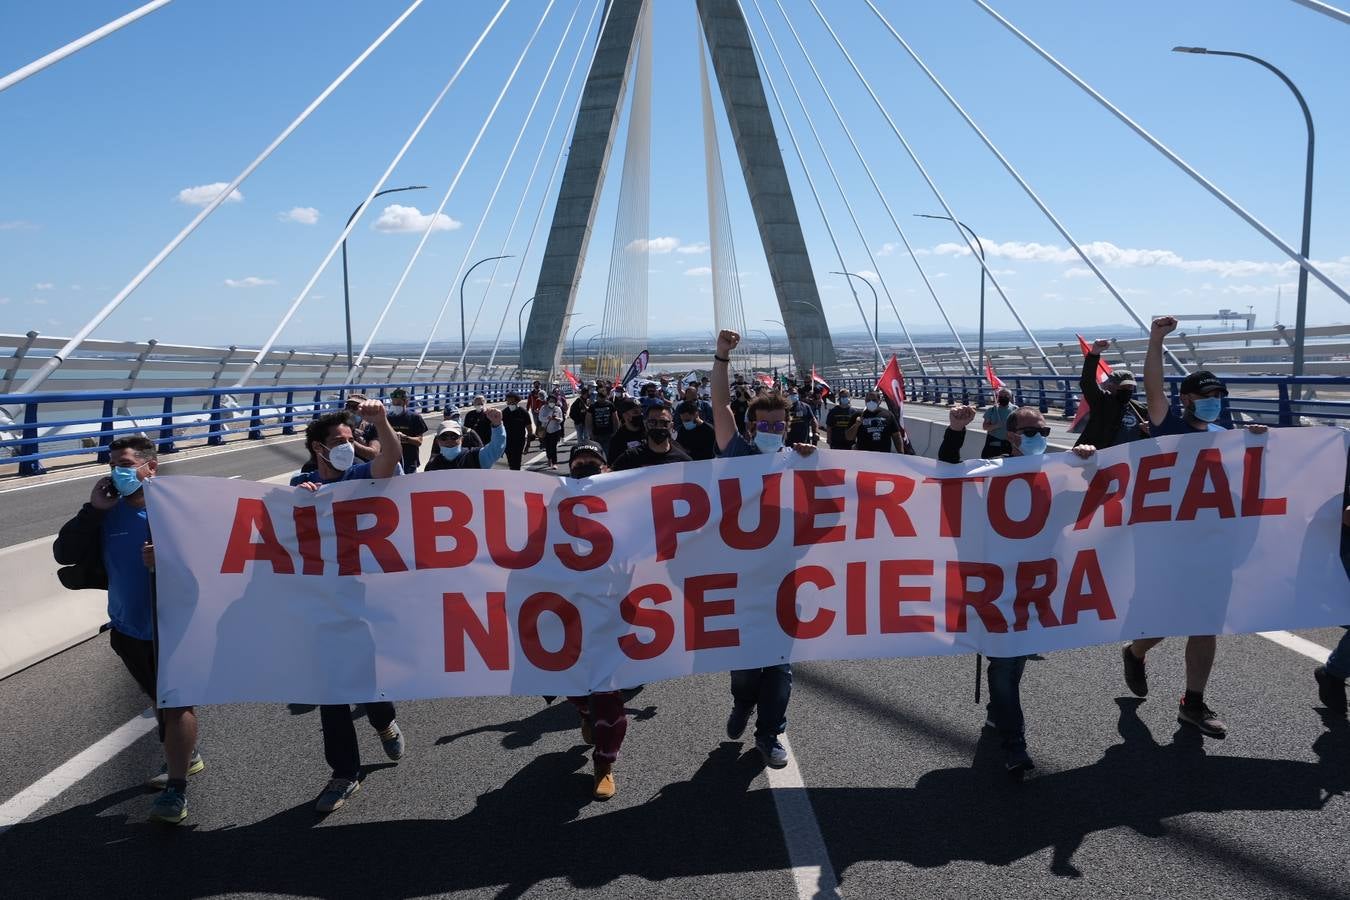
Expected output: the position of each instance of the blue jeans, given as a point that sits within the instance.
(1005, 701)
(768, 689)
(1338, 663)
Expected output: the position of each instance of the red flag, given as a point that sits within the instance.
(994, 381)
(816, 379)
(576, 385)
(766, 380)
(892, 386)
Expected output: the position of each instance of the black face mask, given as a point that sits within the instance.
(1125, 396)
(659, 435)
(586, 469)
(1003, 401)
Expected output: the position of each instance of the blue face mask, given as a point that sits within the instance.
(450, 453)
(690, 425)
(1034, 445)
(1207, 409)
(768, 442)
(125, 480)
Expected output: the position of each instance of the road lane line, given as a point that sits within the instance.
(54, 783)
(812, 872)
(1308, 648)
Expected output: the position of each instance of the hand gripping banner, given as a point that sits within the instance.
(462, 582)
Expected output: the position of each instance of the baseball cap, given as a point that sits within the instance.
(397, 394)
(451, 425)
(356, 398)
(1202, 382)
(1123, 378)
(588, 447)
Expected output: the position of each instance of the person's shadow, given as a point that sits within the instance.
(558, 716)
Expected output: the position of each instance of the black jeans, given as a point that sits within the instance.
(515, 449)
(339, 735)
(550, 444)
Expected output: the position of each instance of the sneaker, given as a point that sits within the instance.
(1136, 679)
(1200, 716)
(336, 794)
(774, 753)
(1018, 763)
(170, 807)
(736, 722)
(161, 781)
(587, 732)
(990, 723)
(392, 741)
(1330, 690)
(604, 784)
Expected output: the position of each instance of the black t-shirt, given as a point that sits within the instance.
(875, 431)
(643, 455)
(602, 419)
(517, 424)
(577, 411)
(622, 440)
(700, 442)
(800, 420)
(837, 421)
(477, 421)
(738, 408)
(409, 423)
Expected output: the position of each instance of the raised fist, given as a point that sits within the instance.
(494, 416)
(958, 417)
(1164, 325)
(371, 411)
(727, 341)
(1100, 346)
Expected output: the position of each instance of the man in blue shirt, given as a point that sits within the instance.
(330, 441)
(764, 691)
(111, 533)
(1202, 396)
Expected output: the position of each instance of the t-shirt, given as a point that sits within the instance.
(602, 419)
(837, 421)
(643, 455)
(875, 432)
(517, 422)
(1175, 424)
(354, 473)
(477, 421)
(535, 400)
(800, 420)
(622, 441)
(409, 423)
(130, 608)
(999, 415)
(1128, 430)
(550, 418)
(700, 442)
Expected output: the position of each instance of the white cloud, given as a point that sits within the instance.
(1003, 272)
(304, 215)
(38, 301)
(698, 270)
(653, 245)
(250, 281)
(203, 194)
(17, 225)
(43, 286)
(1077, 272)
(398, 219)
(887, 248)
(869, 275)
(692, 248)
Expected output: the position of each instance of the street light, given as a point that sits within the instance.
(463, 343)
(575, 332)
(591, 340)
(1301, 315)
(792, 362)
(346, 298)
(520, 330)
(979, 248)
(876, 319)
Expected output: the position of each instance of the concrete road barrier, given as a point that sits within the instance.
(39, 617)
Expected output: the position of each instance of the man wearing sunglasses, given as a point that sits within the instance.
(658, 446)
(1028, 435)
(451, 452)
(1202, 396)
(763, 691)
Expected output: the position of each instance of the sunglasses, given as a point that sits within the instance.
(1032, 432)
(774, 427)
(448, 438)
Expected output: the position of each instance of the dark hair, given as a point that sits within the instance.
(625, 404)
(140, 445)
(765, 403)
(662, 406)
(688, 406)
(321, 428)
(510, 394)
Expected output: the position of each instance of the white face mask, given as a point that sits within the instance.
(342, 456)
(768, 442)
(871, 406)
(512, 405)
(398, 410)
(450, 453)
(478, 404)
(845, 402)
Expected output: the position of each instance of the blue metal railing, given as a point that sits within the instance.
(1061, 393)
(277, 408)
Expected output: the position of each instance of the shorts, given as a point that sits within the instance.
(139, 658)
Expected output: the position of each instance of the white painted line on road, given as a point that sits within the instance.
(811, 870)
(54, 783)
(1293, 642)
(233, 477)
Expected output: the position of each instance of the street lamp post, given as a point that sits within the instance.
(463, 343)
(876, 320)
(791, 359)
(979, 248)
(591, 340)
(575, 332)
(346, 298)
(768, 340)
(1301, 315)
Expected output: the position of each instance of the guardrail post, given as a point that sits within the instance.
(255, 422)
(1070, 405)
(1044, 402)
(215, 438)
(288, 423)
(166, 428)
(1286, 416)
(30, 445)
(105, 432)
(19, 353)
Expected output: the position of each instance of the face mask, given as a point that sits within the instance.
(658, 435)
(342, 456)
(450, 453)
(845, 402)
(1125, 396)
(512, 405)
(398, 410)
(585, 469)
(125, 480)
(768, 442)
(690, 425)
(1207, 409)
(792, 398)
(871, 406)
(1034, 445)
(478, 404)
(1004, 401)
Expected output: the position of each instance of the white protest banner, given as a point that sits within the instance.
(462, 582)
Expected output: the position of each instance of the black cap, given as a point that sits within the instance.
(587, 447)
(1202, 382)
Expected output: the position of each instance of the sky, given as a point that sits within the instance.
(109, 153)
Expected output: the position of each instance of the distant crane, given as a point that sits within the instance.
(1223, 315)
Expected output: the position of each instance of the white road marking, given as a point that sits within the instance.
(1293, 642)
(54, 783)
(233, 477)
(811, 869)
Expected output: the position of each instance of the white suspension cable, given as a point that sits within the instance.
(1166, 151)
(932, 185)
(361, 210)
(454, 182)
(815, 194)
(1326, 9)
(78, 44)
(834, 175)
(543, 145)
(548, 185)
(728, 305)
(1022, 182)
(38, 377)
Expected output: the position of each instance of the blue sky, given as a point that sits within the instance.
(101, 151)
